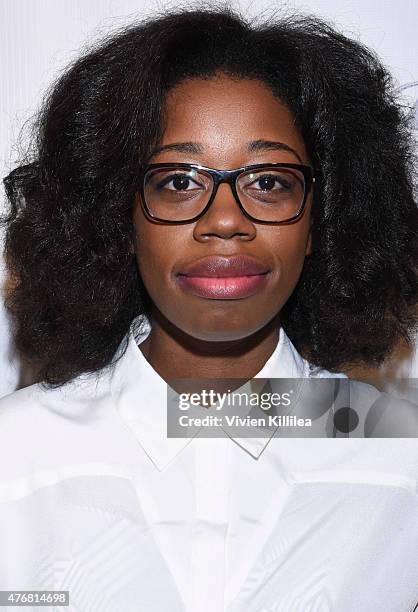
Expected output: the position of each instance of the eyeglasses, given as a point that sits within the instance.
(266, 193)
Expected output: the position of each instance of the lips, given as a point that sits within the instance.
(224, 278)
(224, 267)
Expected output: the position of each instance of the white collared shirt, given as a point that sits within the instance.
(95, 499)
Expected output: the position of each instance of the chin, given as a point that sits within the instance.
(222, 333)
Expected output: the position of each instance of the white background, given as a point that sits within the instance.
(40, 37)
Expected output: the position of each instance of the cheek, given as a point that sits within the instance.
(150, 255)
(289, 246)
(293, 257)
(156, 251)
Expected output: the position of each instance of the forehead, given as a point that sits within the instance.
(225, 113)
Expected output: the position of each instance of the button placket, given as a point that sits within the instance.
(212, 487)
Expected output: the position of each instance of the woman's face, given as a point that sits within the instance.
(221, 116)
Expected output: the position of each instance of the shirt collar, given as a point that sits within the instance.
(140, 394)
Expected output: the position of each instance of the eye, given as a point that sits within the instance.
(270, 182)
(178, 182)
(272, 186)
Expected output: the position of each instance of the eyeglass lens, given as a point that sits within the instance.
(268, 194)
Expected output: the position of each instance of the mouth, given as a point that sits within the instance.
(225, 278)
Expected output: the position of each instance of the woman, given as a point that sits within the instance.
(206, 195)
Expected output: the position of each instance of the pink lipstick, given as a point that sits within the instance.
(223, 278)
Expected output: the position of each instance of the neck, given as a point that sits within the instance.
(175, 354)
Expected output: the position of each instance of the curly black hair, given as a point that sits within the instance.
(69, 230)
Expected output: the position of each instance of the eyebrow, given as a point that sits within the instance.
(253, 145)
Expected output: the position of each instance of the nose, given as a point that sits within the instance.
(224, 218)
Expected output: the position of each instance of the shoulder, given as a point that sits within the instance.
(38, 399)
(22, 419)
(317, 372)
(20, 408)
(38, 423)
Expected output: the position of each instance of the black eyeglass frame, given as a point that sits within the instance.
(230, 177)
